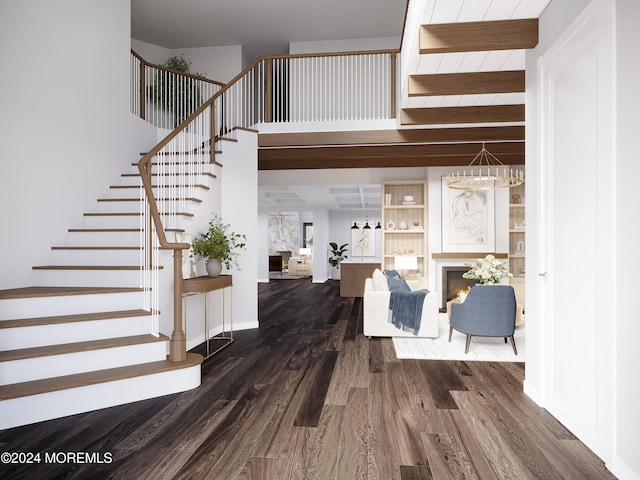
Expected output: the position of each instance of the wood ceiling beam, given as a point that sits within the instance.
(479, 36)
(474, 114)
(376, 137)
(385, 156)
(467, 83)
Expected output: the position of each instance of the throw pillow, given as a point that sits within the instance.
(396, 282)
(380, 283)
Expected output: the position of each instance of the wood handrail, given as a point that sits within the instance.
(178, 337)
(177, 72)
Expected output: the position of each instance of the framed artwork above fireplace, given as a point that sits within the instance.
(468, 220)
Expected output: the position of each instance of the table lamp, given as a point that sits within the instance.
(405, 262)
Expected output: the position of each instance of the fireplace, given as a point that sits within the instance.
(452, 283)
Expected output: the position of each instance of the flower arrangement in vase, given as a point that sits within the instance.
(487, 270)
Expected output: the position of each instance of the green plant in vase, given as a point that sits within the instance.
(218, 246)
(337, 256)
(181, 96)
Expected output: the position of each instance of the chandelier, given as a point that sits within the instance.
(491, 174)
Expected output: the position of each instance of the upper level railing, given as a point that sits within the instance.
(166, 97)
(303, 88)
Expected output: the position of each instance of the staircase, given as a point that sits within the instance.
(80, 340)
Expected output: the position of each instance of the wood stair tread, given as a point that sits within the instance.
(118, 230)
(75, 347)
(91, 247)
(204, 187)
(39, 291)
(206, 174)
(129, 214)
(192, 199)
(80, 317)
(36, 387)
(92, 267)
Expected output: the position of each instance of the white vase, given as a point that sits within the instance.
(214, 267)
(335, 273)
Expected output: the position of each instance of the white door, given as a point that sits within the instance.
(576, 221)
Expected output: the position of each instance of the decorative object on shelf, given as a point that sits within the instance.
(402, 225)
(520, 246)
(487, 270)
(387, 199)
(468, 220)
(515, 199)
(491, 174)
(408, 200)
(218, 243)
(390, 225)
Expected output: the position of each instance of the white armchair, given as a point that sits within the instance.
(376, 314)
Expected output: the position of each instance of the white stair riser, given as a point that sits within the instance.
(16, 308)
(94, 257)
(47, 406)
(104, 239)
(54, 334)
(68, 364)
(128, 221)
(88, 278)
(131, 206)
(112, 221)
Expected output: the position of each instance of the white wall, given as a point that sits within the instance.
(345, 45)
(67, 133)
(215, 63)
(239, 198)
(626, 463)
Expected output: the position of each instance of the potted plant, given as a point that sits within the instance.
(218, 246)
(337, 255)
(180, 96)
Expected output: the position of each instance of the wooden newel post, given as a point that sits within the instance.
(178, 342)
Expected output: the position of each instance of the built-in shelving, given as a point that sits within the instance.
(404, 223)
(517, 245)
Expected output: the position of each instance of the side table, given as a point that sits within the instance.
(204, 285)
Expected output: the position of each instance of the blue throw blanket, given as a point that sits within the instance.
(406, 308)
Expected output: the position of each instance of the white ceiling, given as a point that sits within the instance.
(267, 28)
(263, 27)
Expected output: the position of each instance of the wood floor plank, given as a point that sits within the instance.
(442, 379)
(496, 445)
(411, 472)
(383, 444)
(311, 408)
(410, 447)
(351, 371)
(291, 453)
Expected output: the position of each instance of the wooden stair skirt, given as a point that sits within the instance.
(31, 402)
(63, 352)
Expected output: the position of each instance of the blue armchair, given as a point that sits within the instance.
(488, 311)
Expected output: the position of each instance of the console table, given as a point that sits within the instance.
(204, 285)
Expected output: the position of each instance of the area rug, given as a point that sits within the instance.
(482, 349)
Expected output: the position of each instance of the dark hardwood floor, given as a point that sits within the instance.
(307, 396)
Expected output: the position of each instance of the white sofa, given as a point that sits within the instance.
(377, 316)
